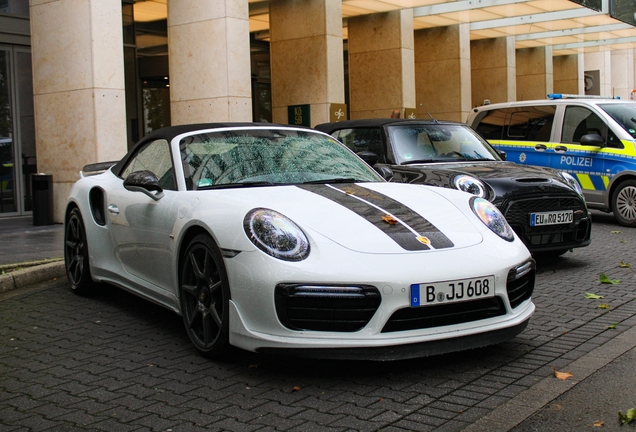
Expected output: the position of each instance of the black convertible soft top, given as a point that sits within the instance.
(375, 122)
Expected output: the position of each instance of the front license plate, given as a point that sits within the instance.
(452, 291)
(551, 218)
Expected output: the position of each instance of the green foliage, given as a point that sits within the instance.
(628, 417)
(604, 279)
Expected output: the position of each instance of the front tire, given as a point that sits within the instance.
(78, 270)
(624, 203)
(205, 296)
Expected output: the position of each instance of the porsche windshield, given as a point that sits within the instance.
(262, 157)
(424, 143)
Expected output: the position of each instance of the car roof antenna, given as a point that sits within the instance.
(429, 114)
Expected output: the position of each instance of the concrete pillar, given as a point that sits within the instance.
(442, 72)
(493, 68)
(622, 72)
(568, 74)
(209, 59)
(600, 61)
(534, 73)
(78, 88)
(306, 57)
(381, 64)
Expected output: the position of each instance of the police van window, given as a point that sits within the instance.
(530, 123)
(579, 121)
(363, 139)
(490, 124)
(624, 114)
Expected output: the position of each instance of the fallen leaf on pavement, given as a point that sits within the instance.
(604, 279)
(616, 232)
(603, 306)
(296, 388)
(561, 375)
(628, 417)
(592, 296)
(622, 264)
(598, 423)
(613, 326)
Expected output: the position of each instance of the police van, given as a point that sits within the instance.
(592, 138)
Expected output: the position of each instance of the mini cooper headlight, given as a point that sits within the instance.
(569, 179)
(276, 235)
(492, 218)
(471, 185)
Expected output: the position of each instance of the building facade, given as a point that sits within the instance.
(82, 80)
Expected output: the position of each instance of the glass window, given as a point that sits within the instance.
(15, 7)
(531, 124)
(367, 139)
(267, 156)
(154, 157)
(624, 114)
(580, 121)
(419, 143)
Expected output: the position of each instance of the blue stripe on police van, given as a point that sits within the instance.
(598, 182)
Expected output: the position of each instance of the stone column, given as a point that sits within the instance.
(568, 74)
(381, 64)
(306, 57)
(600, 61)
(442, 72)
(534, 73)
(492, 63)
(209, 58)
(622, 73)
(78, 88)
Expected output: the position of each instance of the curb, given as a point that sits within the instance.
(34, 272)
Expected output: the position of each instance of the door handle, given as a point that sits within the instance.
(560, 149)
(113, 209)
(540, 147)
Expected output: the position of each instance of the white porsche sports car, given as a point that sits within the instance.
(279, 239)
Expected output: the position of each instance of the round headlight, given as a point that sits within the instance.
(471, 185)
(276, 235)
(569, 179)
(492, 218)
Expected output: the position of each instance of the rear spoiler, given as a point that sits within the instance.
(96, 168)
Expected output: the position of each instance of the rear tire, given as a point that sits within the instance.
(624, 203)
(76, 254)
(205, 296)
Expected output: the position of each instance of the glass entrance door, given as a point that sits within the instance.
(17, 130)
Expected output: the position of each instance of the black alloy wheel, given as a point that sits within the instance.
(205, 296)
(76, 253)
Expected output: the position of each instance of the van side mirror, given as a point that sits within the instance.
(386, 172)
(369, 157)
(592, 139)
(502, 154)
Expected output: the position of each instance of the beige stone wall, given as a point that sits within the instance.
(568, 74)
(622, 73)
(534, 73)
(306, 55)
(381, 64)
(601, 61)
(442, 72)
(209, 56)
(493, 67)
(78, 87)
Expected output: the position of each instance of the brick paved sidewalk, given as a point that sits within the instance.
(115, 362)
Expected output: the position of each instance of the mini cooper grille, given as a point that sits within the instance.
(520, 288)
(518, 216)
(326, 308)
(445, 314)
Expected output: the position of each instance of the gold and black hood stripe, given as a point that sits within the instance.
(403, 225)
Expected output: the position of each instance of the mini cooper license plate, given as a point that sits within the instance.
(452, 291)
(551, 218)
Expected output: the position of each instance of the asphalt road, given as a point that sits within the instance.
(115, 362)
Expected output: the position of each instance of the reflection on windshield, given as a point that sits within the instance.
(624, 114)
(260, 157)
(438, 143)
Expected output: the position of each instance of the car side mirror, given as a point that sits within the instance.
(502, 154)
(386, 172)
(592, 139)
(145, 182)
(369, 157)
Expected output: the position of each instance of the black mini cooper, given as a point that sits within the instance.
(544, 206)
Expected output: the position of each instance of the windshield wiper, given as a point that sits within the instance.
(334, 180)
(417, 161)
(238, 185)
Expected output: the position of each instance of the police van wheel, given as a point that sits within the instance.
(624, 203)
